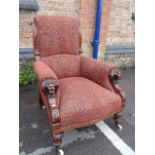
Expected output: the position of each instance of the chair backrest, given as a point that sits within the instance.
(56, 35)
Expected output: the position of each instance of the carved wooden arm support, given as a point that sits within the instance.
(50, 89)
(114, 76)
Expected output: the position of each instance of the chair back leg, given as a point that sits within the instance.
(41, 102)
(117, 121)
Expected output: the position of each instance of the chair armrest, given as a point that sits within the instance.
(43, 71)
(97, 71)
(49, 86)
(103, 73)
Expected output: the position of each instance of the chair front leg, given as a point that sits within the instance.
(49, 87)
(56, 137)
(57, 140)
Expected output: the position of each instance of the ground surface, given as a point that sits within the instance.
(35, 131)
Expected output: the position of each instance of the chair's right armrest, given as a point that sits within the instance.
(97, 71)
(103, 73)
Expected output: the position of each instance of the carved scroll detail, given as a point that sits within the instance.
(50, 89)
(114, 76)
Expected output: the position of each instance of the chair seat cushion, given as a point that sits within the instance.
(84, 102)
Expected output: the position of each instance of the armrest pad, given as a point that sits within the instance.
(97, 71)
(49, 88)
(43, 71)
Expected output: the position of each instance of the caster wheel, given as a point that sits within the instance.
(119, 127)
(60, 152)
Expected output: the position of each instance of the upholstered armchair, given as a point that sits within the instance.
(76, 91)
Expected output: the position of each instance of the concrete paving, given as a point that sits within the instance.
(35, 131)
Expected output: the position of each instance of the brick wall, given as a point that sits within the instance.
(121, 28)
(46, 7)
(87, 22)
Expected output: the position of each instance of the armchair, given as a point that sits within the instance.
(76, 91)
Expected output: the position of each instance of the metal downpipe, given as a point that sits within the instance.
(97, 29)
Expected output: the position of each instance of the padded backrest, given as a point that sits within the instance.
(56, 35)
(64, 65)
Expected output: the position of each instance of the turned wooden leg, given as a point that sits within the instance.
(57, 140)
(117, 121)
(50, 88)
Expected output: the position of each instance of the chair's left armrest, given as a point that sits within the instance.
(49, 86)
(104, 73)
(43, 71)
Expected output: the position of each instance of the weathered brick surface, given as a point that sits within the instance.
(122, 60)
(120, 31)
(121, 28)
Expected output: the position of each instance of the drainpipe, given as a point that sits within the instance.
(97, 29)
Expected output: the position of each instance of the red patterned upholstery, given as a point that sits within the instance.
(64, 65)
(85, 100)
(56, 35)
(86, 92)
(97, 71)
(44, 71)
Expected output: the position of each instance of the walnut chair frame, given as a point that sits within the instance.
(50, 36)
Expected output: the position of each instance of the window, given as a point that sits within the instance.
(28, 5)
